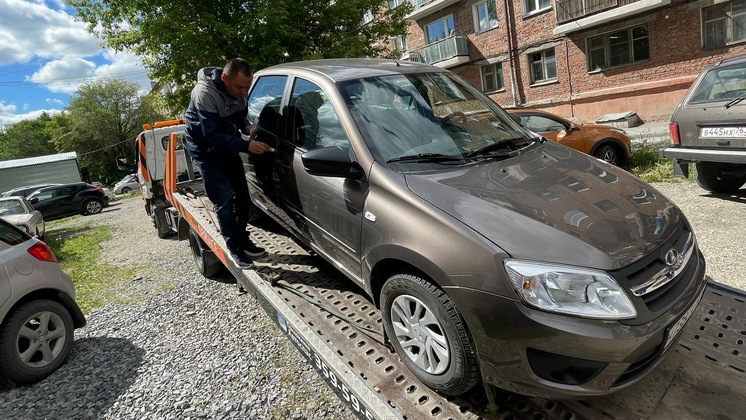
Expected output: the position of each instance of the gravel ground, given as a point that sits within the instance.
(197, 348)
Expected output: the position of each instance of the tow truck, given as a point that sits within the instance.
(339, 331)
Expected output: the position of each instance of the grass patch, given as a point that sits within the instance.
(96, 282)
(648, 165)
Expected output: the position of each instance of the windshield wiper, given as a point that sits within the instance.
(511, 144)
(425, 157)
(735, 101)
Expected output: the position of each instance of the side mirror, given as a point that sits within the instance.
(124, 164)
(34, 200)
(331, 161)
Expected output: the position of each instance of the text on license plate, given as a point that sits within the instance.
(673, 331)
(723, 132)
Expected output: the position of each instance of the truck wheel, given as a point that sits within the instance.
(428, 333)
(711, 177)
(93, 206)
(207, 263)
(35, 341)
(160, 222)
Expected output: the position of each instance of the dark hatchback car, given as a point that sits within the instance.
(58, 201)
(708, 128)
(492, 254)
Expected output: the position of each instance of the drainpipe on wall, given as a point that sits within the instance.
(511, 70)
(569, 76)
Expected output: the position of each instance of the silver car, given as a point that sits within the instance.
(38, 312)
(18, 211)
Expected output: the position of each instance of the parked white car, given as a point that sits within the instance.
(18, 211)
(127, 184)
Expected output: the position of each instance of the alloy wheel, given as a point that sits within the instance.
(420, 334)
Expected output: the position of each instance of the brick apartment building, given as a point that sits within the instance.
(577, 58)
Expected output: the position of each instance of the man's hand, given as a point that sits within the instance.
(257, 147)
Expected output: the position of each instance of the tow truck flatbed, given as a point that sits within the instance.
(702, 378)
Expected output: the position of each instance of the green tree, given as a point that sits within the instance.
(175, 39)
(27, 138)
(100, 123)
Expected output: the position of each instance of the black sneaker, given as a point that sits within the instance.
(250, 249)
(242, 260)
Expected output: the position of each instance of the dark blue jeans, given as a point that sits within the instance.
(225, 184)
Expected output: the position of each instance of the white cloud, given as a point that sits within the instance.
(54, 101)
(64, 76)
(9, 116)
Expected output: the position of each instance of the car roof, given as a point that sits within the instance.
(340, 69)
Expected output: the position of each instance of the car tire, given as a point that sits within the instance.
(420, 316)
(609, 154)
(19, 362)
(709, 177)
(93, 206)
(126, 190)
(207, 263)
(160, 222)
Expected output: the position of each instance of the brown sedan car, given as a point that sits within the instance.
(602, 141)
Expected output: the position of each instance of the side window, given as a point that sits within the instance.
(312, 122)
(264, 108)
(164, 142)
(543, 66)
(539, 124)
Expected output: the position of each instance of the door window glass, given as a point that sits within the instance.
(312, 121)
(264, 108)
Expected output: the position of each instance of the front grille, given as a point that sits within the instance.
(653, 300)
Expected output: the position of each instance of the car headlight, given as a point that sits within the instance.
(570, 290)
(23, 228)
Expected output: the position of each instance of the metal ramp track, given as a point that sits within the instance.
(706, 372)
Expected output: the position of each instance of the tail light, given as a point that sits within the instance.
(97, 188)
(41, 252)
(673, 131)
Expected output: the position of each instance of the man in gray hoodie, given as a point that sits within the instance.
(215, 118)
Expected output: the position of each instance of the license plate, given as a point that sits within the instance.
(723, 132)
(674, 329)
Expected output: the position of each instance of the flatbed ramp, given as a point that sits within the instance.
(703, 378)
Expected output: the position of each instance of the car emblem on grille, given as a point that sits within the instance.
(673, 259)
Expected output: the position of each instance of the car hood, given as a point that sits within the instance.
(554, 204)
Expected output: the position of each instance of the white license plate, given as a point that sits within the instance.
(674, 329)
(723, 132)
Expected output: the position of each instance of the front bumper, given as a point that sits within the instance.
(543, 354)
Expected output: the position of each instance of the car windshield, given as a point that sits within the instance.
(414, 121)
(721, 84)
(11, 207)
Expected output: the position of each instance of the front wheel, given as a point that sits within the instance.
(609, 154)
(93, 206)
(207, 263)
(35, 341)
(428, 333)
(126, 190)
(715, 177)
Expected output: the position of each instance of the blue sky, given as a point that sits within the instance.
(45, 54)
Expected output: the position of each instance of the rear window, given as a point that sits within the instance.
(11, 235)
(721, 84)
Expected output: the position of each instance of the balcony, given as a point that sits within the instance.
(413, 56)
(447, 52)
(423, 8)
(580, 15)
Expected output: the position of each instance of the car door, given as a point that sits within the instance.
(326, 210)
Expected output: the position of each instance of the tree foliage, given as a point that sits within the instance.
(101, 122)
(176, 39)
(28, 138)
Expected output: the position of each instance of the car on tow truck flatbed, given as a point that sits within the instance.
(494, 255)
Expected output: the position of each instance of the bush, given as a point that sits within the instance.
(647, 164)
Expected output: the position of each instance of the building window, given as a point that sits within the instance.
(367, 17)
(400, 43)
(485, 15)
(533, 6)
(492, 77)
(543, 66)
(618, 48)
(724, 23)
(440, 29)
(393, 4)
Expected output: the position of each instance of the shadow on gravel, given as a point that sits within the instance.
(97, 372)
(738, 196)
